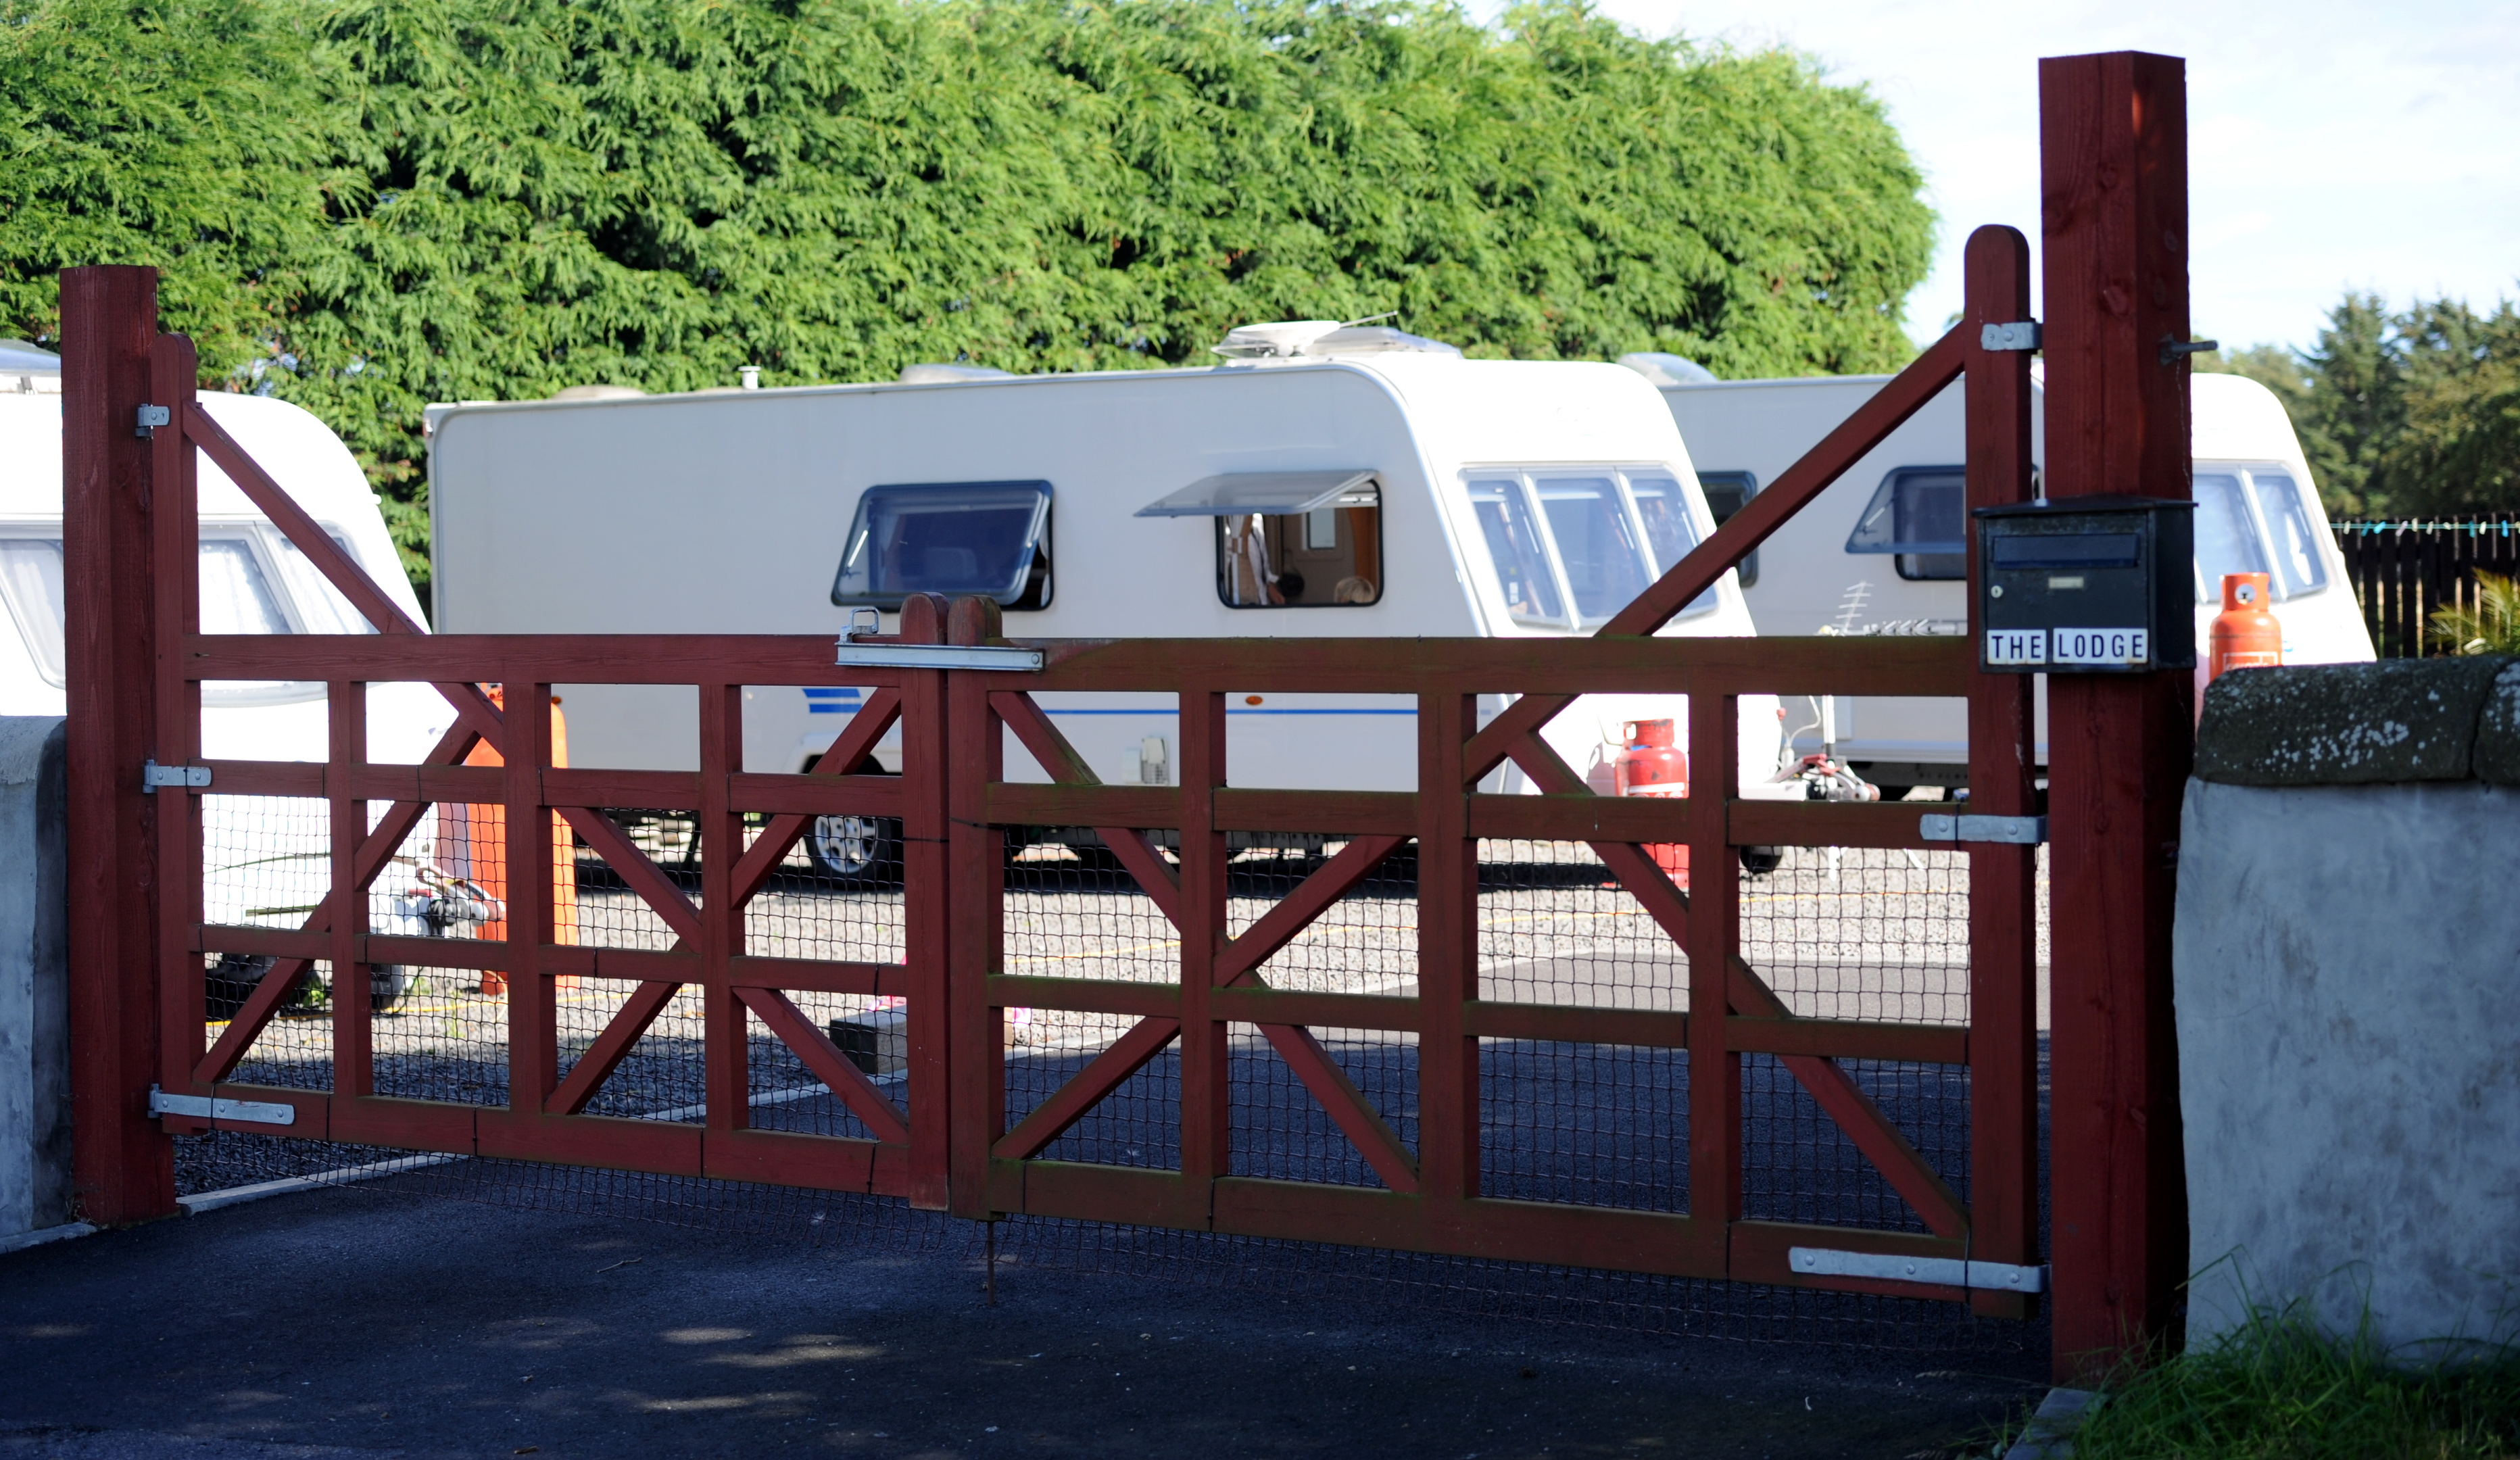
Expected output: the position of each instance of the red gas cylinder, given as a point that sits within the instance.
(1650, 764)
(2244, 636)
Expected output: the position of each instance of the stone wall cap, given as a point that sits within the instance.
(2497, 731)
(2395, 720)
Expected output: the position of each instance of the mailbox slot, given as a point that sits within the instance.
(2091, 585)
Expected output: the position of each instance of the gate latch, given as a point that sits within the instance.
(856, 648)
(1947, 1272)
(2022, 335)
(182, 777)
(2013, 831)
(213, 1108)
(151, 419)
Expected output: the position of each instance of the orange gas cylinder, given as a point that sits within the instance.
(2244, 636)
(1650, 764)
(483, 849)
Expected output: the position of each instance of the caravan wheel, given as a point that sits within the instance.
(855, 848)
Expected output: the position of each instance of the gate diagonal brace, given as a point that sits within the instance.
(1051, 748)
(1844, 1101)
(372, 858)
(760, 861)
(1646, 882)
(828, 1064)
(1066, 1105)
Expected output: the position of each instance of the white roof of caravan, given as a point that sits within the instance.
(299, 451)
(1487, 410)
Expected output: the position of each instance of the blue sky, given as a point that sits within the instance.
(2330, 144)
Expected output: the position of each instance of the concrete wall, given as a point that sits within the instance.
(34, 980)
(2348, 966)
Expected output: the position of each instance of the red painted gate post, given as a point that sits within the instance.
(124, 1165)
(2113, 163)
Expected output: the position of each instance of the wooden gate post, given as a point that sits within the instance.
(124, 1165)
(2113, 164)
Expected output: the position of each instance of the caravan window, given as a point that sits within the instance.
(2301, 567)
(1593, 540)
(30, 579)
(1514, 547)
(1919, 514)
(1662, 505)
(990, 539)
(1597, 542)
(1328, 558)
(318, 601)
(2227, 541)
(1726, 493)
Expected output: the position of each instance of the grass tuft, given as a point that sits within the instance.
(2278, 1388)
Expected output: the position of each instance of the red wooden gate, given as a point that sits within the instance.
(1419, 1130)
(1430, 1195)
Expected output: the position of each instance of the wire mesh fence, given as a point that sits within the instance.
(1845, 933)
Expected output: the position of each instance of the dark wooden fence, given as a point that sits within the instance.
(2402, 571)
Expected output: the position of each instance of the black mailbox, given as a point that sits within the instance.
(2087, 585)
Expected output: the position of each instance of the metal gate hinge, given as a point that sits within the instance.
(214, 1108)
(2012, 831)
(1947, 1272)
(151, 419)
(2021, 335)
(2172, 350)
(182, 777)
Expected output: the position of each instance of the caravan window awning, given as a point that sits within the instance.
(1270, 494)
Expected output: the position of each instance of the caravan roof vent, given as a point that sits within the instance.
(1668, 370)
(1316, 340)
(937, 374)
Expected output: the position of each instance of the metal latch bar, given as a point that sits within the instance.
(215, 1108)
(182, 777)
(938, 656)
(2010, 831)
(2021, 335)
(1946, 1272)
(150, 418)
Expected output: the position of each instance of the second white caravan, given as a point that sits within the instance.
(1317, 483)
(1884, 550)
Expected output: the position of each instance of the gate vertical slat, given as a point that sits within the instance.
(345, 727)
(1205, 1125)
(175, 565)
(975, 947)
(726, 1024)
(2003, 934)
(533, 1015)
(1448, 955)
(1715, 1177)
(928, 869)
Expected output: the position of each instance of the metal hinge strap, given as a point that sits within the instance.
(214, 1108)
(1946, 1272)
(151, 419)
(2010, 831)
(2021, 335)
(182, 777)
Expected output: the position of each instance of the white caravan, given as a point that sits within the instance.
(266, 862)
(1884, 550)
(1321, 482)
